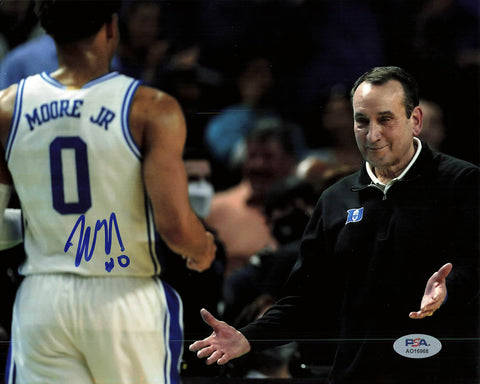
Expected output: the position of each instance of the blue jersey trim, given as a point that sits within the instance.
(151, 230)
(124, 118)
(101, 79)
(10, 371)
(16, 119)
(49, 79)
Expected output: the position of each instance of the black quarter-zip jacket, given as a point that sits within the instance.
(365, 260)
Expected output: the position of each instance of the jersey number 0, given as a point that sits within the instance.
(58, 170)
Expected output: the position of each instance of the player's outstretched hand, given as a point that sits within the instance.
(224, 344)
(435, 293)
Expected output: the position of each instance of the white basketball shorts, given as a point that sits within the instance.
(116, 330)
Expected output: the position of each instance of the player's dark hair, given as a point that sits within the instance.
(380, 75)
(70, 20)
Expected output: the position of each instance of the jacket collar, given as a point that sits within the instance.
(422, 164)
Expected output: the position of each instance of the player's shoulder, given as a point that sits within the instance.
(7, 99)
(8, 94)
(148, 97)
(7, 108)
(153, 107)
(154, 113)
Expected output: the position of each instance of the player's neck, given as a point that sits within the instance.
(77, 76)
(79, 65)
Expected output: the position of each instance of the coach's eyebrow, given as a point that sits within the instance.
(385, 113)
(359, 115)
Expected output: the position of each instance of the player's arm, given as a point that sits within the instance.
(158, 126)
(10, 219)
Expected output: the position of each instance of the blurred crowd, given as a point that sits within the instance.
(264, 86)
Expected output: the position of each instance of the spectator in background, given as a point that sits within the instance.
(446, 45)
(433, 131)
(34, 56)
(332, 116)
(199, 92)
(18, 24)
(225, 131)
(443, 42)
(199, 173)
(343, 32)
(321, 174)
(143, 47)
(26, 48)
(254, 92)
(237, 212)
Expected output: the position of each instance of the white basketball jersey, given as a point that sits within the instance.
(77, 172)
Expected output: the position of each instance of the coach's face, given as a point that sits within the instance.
(383, 132)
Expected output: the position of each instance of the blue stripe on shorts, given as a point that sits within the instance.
(10, 369)
(174, 334)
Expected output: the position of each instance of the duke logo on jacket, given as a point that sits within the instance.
(417, 346)
(354, 215)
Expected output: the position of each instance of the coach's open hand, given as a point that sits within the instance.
(435, 293)
(223, 345)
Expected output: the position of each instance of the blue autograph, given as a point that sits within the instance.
(84, 241)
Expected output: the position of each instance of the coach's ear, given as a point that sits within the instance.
(417, 120)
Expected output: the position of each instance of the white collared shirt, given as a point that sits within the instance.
(384, 187)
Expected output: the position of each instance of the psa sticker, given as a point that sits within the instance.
(417, 346)
(354, 215)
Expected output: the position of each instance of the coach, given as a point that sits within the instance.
(373, 242)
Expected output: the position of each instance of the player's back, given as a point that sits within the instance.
(77, 173)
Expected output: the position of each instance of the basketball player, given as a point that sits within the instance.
(96, 161)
